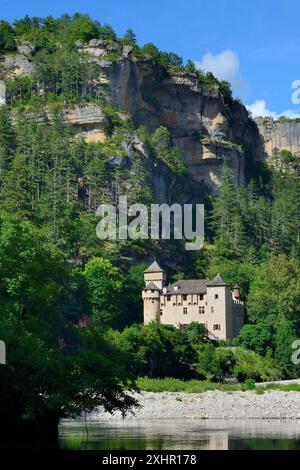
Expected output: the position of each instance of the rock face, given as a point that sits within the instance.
(16, 66)
(281, 134)
(204, 128)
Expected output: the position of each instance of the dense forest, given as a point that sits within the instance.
(71, 311)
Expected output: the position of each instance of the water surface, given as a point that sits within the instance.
(180, 434)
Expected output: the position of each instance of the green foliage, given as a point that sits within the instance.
(159, 350)
(83, 28)
(248, 225)
(7, 41)
(232, 271)
(149, 49)
(197, 333)
(258, 338)
(191, 67)
(275, 292)
(161, 141)
(31, 270)
(45, 32)
(54, 367)
(129, 37)
(250, 365)
(170, 384)
(285, 161)
(284, 338)
(249, 384)
(105, 283)
(55, 274)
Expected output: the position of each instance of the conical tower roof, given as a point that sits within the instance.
(217, 281)
(154, 268)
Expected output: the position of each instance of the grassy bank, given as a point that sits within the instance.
(198, 386)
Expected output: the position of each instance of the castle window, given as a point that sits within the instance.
(184, 297)
(216, 296)
(185, 310)
(201, 296)
(212, 309)
(161, 312)
(168, 298)
(202, 309)
(217, 327)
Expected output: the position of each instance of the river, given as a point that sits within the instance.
(180, 434)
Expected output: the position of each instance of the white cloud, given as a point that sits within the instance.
(259, 109)
(225, 66)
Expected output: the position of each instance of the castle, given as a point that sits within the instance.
(211, 303)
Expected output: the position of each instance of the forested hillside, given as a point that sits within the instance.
(71, 138)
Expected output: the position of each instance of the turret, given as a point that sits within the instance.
(155, 279)
(151, 297)
(236, 293)
(155, 274)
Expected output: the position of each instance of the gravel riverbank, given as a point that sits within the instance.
(211, 405)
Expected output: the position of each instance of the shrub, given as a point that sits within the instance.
(249, 384)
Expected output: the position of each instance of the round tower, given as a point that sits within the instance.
(151, 298)
(236, 293)
(155, 279)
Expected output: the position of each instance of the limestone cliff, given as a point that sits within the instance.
(206, 128)
(283, 134)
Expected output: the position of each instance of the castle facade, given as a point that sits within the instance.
(211, 303)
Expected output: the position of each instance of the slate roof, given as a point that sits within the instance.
(151, 286)
(217, 281)
(154, 268)
(194, 286)
(197, 286)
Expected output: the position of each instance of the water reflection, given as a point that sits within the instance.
(181, 434)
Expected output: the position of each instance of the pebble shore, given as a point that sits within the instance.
(272, 404)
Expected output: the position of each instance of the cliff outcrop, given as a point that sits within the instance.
(283, 134)
(206, 128)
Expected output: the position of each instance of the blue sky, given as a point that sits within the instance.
(255, 44)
